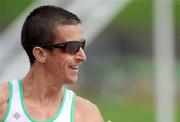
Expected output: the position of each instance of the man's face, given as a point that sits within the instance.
(63, 66)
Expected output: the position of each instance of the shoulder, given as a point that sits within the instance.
(4, 96)
(86, 111)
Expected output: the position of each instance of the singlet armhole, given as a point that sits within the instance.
(73, 107)
(9, 102)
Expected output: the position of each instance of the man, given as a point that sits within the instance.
(53, 40)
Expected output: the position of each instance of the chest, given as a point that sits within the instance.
(39, 112)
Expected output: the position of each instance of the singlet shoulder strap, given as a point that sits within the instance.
(9, 102)
(71, 98)
(73, 107)
(67, 112)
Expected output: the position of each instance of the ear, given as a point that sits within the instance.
(40, 54)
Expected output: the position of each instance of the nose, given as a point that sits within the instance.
(80, 55)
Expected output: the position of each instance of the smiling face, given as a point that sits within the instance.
(63, 66)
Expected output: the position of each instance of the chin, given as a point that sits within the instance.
(72, 80)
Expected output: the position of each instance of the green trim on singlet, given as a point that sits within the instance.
(31, 118)
(72, 107)
(9, 102)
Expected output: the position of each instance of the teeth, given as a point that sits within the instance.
(74, 67)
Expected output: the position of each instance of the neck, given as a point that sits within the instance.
(41, 87)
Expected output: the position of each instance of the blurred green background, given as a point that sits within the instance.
(119, 73)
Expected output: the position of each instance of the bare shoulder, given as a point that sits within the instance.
(4, 96)
(86, 111)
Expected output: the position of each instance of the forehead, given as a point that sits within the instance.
(64, 33)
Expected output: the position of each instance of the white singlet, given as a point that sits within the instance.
(16, 110)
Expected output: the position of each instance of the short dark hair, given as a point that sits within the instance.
(40, 24)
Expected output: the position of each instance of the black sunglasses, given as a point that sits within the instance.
(71, 47)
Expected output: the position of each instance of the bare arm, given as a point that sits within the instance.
(4, 96)
(85, 111)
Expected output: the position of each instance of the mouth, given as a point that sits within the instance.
(74, 67)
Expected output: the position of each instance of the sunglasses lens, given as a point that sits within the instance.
(73, 47)
(83, 44)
